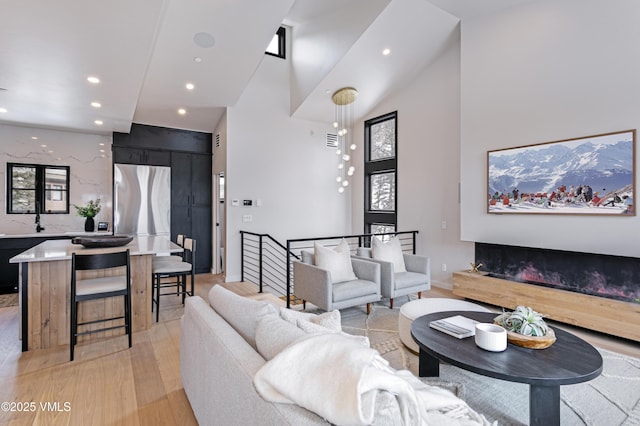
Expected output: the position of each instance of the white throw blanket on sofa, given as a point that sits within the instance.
(338, 378)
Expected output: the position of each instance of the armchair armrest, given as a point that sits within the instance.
(313, 284)
(366, 270)
(387, 277)
(415, 263)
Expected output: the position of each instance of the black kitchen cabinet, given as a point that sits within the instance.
(189, 154)
(150, 157)
(191, 203)
(10, 247)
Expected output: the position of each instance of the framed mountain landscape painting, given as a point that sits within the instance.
(587, 175)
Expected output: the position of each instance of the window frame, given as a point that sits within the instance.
(374, 167)
(282, 44)
(40, 189)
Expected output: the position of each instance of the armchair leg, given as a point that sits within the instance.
(391, 303)
(419, 295)
(304, 304)
(368, 308)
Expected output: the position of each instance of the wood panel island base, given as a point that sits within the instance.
(601, 314)
(45, 281)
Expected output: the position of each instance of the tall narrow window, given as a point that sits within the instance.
(380, 138)
(37, 186)
(277, 45)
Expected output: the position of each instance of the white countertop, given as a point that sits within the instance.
(56, 234)
(62, 249)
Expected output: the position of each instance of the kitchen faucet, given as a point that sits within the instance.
(38, 227)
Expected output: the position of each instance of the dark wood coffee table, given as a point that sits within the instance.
(569, 360)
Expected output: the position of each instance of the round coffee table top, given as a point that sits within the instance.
(569, 360)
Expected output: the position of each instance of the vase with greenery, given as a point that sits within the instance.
(89, 212)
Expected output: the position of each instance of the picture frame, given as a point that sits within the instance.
(589, 175)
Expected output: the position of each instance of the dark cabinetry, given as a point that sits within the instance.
(149, 157)
(189, 155)
(10, 247)
(191, 203)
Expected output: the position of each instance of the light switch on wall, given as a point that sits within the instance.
(247, 218)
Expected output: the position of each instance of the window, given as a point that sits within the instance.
(277, 45)
(37, 186)
(381, 176)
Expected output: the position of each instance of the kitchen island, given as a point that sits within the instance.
(44, 290)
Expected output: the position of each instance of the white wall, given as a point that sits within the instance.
(428, 164)
(544, 71)
(91, 174)
(281, 161)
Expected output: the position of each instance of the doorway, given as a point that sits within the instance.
(220, 230)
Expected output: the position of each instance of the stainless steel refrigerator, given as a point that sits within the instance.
(142, 200)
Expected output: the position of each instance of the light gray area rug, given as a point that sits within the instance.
(613, 398)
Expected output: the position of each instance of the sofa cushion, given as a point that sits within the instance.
(241, 313)
(273, 334)
(389, 252)
(337, 261)
(330, 320)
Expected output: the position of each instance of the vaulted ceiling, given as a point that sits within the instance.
(145, 51)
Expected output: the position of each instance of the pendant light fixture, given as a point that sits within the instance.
(343, 120)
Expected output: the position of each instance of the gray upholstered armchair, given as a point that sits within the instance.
(314, 284)
(416, 279)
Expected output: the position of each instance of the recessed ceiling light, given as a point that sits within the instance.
(385, 52)
(182, 111)
(197, 59)
(189, 86)
(43, 145)
(50, 151)
(3, 110)
(96, 104)
(92, 79)
(35, 138)
(102, 150)
(101, 144)
(99, 122)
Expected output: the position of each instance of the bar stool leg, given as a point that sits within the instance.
(157, 297)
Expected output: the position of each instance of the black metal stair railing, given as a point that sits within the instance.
(269, 263)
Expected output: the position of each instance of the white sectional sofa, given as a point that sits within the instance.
(225, 343)
(217, 366)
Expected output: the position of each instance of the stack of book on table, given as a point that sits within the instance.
(457, 326)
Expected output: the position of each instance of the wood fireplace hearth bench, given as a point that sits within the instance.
(45, 282)
(614, 317)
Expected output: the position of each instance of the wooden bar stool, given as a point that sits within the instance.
(99, 288)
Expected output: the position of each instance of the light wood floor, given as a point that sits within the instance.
(110, 384)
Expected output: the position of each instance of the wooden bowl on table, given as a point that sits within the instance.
(531, 342)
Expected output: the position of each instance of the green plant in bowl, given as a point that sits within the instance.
(523, 320)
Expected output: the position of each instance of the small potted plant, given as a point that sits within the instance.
(88, 212)
(526, 327)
